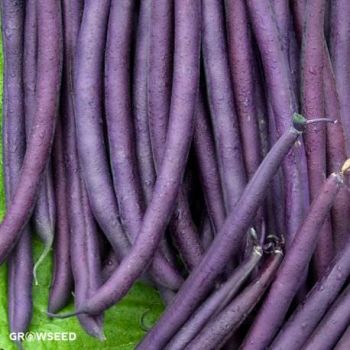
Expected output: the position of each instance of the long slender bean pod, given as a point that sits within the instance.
(344, 341)
(88, 82)
(44, 211)
(62, 280)
(39, 144)
(20, 261)
(181, 225)
(185, 89)
(226, 243)
(121, 134)
(283, 101)
(333, 324)
(216, 302)
(204, 148)
(241, 61)
(221, 102)
(309, 313)
(336, 155)
(340, 53)
(221, 327)
(140, 101)
(288, 281)
(313, 107)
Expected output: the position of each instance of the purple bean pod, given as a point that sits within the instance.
(219, 329)
(62, 279)
(181, 121)
(241, 62)
(88, 83)
(44, 212)
(313, 107)
(283, 101)
(20, 261)
(340, 53)
(216, 302)
(121, 134)
(221, 103)
(140, 102)
(333, 324)
(204, 147)
(226, 243)
(344, 341)
(39, 144)
(181, 224)
(288, 281)
(336, 155)
(307, 316)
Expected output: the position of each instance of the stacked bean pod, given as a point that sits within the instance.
(199, 146)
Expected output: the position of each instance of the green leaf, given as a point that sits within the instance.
(122, 322)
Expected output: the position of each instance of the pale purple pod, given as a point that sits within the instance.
(120, 130)
(219, 329)
(340, 52)
(226, 243)
(310, 311)
(62, 279)
(140, 101)
(241, 61)
(283, 101)
(181, 225)
(333, 324)
(216, 302)
(336, 155)
(181, 121)
(297, 259)
(20, 262)
(204, 148)
(39, 144)
(221, 103)
(344, 341)
(44, 214)
(87, 84)
(312, 100)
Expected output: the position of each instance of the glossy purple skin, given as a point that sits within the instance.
(340, 53)
(333, 324)
(39, 144)
(20, 262)
(220, 328)
(88, 83)
(311, 310)
(160, 73)
(140, 97)
(185, 87)
(140, 101)
(312, 100)
(336, 135)
(61, 285)
(204, 148)
(214, 303)
(77, 248)
(336, 156)
(283, 101)
(344, 341)
(181, 225)
(288, 279)
(221, 103)
(120, 130)
(44, 211)
(226, 243)
(241, 61)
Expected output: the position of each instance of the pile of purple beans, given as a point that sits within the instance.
(199, 146)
